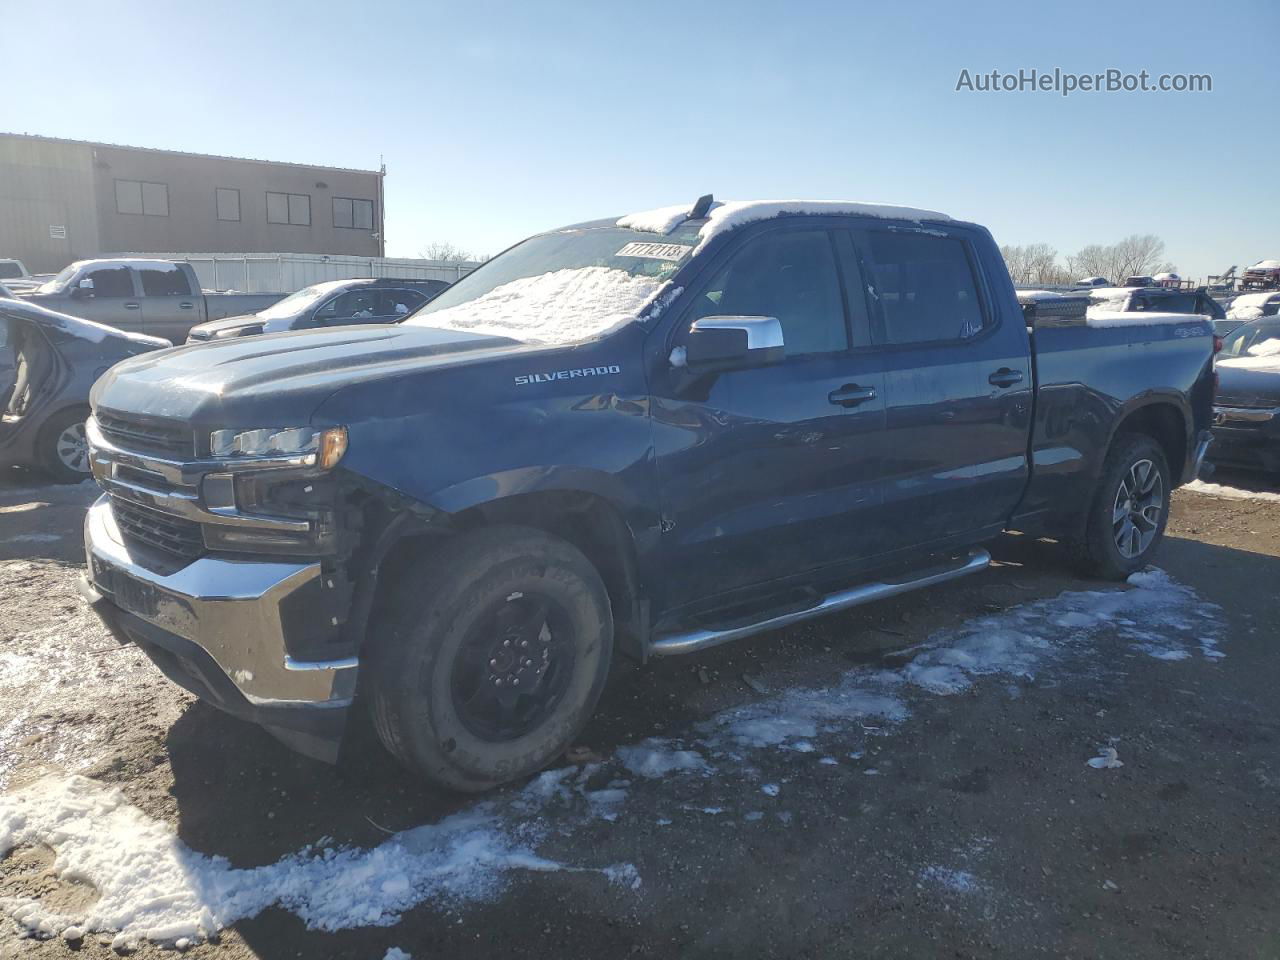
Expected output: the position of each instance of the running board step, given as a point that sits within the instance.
(674, 643)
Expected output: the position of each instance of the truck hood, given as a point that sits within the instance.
(1249, 381)
(280, 379)
(207, 330)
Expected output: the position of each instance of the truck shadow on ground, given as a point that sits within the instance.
(242, 795)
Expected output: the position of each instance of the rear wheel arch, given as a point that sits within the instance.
(1163, 421)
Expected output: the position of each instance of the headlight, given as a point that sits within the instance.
(314, 447)
(226, 333)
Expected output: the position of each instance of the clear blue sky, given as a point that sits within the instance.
(499, 119)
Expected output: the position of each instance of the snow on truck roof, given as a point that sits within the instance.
(734, 213)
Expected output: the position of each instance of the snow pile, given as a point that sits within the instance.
(655, 758)
(395, 953)
(563, 306)
(1108, 758)
(151, 886)
(1267, 348)
(1097, 317)
(1263, 363)
(1230, 493)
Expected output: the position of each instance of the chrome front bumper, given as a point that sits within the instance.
(229, 609)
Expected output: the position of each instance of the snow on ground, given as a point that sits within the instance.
(151, 886)
(1230, 493)
(563, 306)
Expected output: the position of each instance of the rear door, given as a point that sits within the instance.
(114, 299)
(169, 305)
(958, 384)
(771, 472)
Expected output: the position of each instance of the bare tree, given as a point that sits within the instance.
(444, 250)
(1139, 254)
(1034, 263)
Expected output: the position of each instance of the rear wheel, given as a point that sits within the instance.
(1130, 509)
(64, 447)
(493, 660)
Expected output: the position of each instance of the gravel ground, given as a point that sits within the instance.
(954, 819)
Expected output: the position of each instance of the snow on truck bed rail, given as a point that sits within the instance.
(1121, 318)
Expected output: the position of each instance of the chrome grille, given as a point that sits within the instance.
(160, 437)
(175, 536)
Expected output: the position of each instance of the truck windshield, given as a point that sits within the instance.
(298, 301)
(60, 279)
(561, 287)
(1260, 339)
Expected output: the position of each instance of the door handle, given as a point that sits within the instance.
(850, 395)
(131, 306)
(186, 306)
(1004, 377)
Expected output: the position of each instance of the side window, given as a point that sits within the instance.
(399, 303)
(164, 283)
(790, 275)
(925, 287)
(352, 305)
(111, 282)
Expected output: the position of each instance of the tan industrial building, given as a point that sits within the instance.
(66, 200)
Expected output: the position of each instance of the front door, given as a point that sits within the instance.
(113, 299)
(958, 385)
(771, 472)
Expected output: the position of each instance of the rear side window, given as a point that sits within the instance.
(164, 283)
(790, 275)
(924, 286)
(9, 270)
(400, 303)
(111, 282)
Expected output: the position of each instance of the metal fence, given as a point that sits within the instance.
(287, 272)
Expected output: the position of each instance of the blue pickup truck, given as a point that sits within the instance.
(641, 436)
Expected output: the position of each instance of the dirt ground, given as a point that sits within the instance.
(972, 826)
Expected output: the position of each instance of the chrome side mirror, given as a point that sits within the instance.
(734, 343)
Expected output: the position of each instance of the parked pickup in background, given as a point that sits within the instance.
(160, 298)
(647, 436)
(335, 303)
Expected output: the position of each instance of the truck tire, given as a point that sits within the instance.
(492, 659)
(64, 448)
(1126, 520)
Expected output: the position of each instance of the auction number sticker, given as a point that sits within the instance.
(654, 251)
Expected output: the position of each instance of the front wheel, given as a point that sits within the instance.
(493, 659)
(64, 447)
(1130, 509)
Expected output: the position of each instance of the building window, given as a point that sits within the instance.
(357, 214)
(294, 208)
(228, 200)
(140, 197)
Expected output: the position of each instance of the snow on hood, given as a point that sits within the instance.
(1264, 356)
(1249, 306)
(564, 306)
(1266, 265)
(1038, 295)
(1095, 317)
(735, 213)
